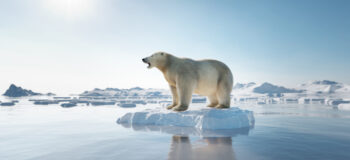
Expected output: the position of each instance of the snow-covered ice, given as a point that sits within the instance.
(344, 106)
(203, 119)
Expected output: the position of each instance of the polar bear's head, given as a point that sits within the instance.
(158, 59)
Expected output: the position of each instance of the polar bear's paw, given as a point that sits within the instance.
(221, 106)
(212, 105)
(180, 108)
(171, 106)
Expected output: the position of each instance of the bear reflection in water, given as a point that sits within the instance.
(216, 144)
(213, 148)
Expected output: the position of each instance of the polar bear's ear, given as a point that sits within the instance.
(161, 53)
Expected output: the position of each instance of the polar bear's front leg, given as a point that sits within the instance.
(184, 90)
(175, 97)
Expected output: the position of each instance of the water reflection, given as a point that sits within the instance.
(203, 144)
(213, 148)
(189, 131)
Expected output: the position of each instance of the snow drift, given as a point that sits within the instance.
(203, 119)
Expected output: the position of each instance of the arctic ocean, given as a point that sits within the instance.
(281, 131)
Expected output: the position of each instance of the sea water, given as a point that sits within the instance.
(281, 131)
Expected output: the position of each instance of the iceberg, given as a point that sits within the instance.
(202, 119)
(344, 106)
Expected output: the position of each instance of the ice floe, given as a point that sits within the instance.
(202, 119)
(344, 106)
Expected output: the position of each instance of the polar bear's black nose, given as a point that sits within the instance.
(143, 59)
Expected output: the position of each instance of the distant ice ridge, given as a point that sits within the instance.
(205, 119)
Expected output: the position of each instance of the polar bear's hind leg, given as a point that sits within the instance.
(213, 101)
(224, 91)
(224, 98)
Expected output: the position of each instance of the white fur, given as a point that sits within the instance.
(185, 76)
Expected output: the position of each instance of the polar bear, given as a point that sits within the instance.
(185, 76)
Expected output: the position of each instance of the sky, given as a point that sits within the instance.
(69, 46)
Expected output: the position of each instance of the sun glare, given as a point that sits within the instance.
(70, 9)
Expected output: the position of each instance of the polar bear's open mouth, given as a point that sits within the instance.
(145, 60)
(149, 64)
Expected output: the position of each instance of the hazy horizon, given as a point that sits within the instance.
(69, 46)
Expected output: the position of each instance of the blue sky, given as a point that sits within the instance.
(68, 46)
